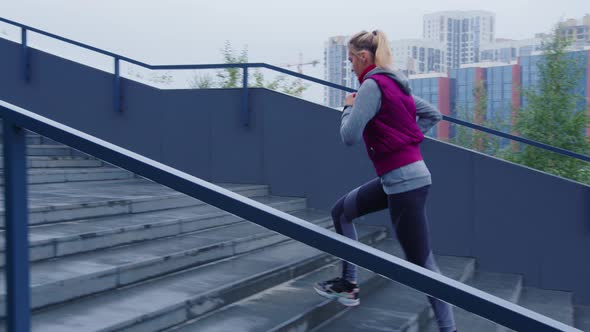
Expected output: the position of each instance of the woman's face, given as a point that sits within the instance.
(360, 60)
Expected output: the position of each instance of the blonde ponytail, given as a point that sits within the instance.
(383, 58)
(376, 43)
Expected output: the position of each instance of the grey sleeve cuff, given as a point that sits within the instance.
(428, 115)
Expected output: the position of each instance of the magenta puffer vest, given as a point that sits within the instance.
(392, 137)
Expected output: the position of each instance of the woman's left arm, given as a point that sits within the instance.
(428, 115)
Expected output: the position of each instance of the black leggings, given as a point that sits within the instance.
(408, 215)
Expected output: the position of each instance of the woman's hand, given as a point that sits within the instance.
(349, 100)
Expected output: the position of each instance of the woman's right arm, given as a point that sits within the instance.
(355, 118)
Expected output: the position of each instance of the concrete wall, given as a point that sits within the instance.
(512, 219)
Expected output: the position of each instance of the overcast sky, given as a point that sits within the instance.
(193, 31)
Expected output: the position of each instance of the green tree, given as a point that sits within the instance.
(552, 114)
(294, 87)
(202, 82)
(463, 135)
(165, 78)
(233, 77)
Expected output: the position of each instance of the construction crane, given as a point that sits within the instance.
(301, 64)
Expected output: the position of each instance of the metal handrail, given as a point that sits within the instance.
(16, 119)
(518, 139)
(244, 67)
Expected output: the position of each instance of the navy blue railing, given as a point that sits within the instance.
(15, 223)
(16, 120)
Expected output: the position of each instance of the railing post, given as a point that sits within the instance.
(25, 56)
(16, 224)
(245, 108)
(117, 91)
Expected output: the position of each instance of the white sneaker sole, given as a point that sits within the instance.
(342, 300)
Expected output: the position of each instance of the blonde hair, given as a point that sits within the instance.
(375, 42)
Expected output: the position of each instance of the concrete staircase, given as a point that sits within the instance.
(112, 251)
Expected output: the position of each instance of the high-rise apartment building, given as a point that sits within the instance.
(418, 56)
(577, 30)
(462, 33)
(435, 89)
(507, 51)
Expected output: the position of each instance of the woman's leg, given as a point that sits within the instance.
(408, 215)
(368, 198)
(363, 200)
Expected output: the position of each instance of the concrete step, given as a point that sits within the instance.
(164, 302)
(35, 139)
(505, 286)
(61, 162)
(554, 304)
(52, 150)
(582, 318)
(73, 276)
(59, 202)
(60, 175)
(56, 240)
(294, 306)
(395, 307)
